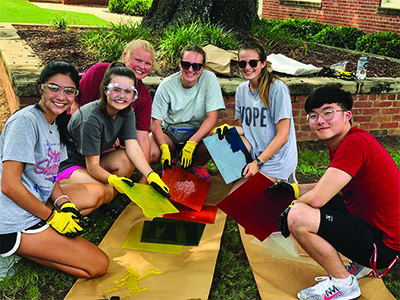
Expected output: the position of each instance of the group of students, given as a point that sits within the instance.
(115, 127)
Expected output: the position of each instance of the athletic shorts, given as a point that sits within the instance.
(9, 242)
(351, 236)
(67, 172)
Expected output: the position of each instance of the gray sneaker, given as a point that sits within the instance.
(330, 289)
(6, 264)
(359, 271)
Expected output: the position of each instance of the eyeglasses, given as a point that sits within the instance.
(252, 63)
(195, 66)
(115, 91)
(69, 92)
(326, 114)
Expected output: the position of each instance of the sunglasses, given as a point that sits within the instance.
(252, 63)
(195, 66)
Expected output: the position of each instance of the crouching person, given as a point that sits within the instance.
(354, 209)
(39, 222)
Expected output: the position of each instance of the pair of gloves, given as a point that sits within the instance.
(292, 189)
(66, 222)
(186, 155)
(119, 183)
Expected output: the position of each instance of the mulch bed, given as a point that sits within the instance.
(52, 44)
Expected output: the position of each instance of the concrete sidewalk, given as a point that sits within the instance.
(101, 12)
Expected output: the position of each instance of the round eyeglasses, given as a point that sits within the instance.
(115, 91)
(326, 114)
(69, 92)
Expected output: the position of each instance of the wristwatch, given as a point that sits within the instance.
(259, 162)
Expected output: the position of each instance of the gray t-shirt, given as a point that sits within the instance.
(174, 104)
(93, 132)
(259, 126)
(27, 137)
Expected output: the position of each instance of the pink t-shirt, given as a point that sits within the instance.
(89, 91)
(373, 194)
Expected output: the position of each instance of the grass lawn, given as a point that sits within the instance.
(22, 11)
(233, 277)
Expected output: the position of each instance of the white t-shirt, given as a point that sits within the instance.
(259, 126)
(27, 137)
(174, 104)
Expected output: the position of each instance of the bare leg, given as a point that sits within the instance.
(303, 222)
(75, 256)
(86, 196)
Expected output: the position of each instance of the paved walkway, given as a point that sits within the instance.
(101, 12)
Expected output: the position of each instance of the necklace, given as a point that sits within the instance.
(51, 127)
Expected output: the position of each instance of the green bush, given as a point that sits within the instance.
(107, 44)
(129, 7)
(264, 31)
(300, 28)
(339, 36)
(175, 38)
(137, 7)
(382, 43)
(117, 6)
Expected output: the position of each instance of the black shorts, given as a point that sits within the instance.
(9, 242)
(351, 236)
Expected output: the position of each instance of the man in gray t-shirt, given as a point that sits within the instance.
(185, 110)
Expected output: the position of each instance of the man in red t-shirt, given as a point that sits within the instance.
(354, 209)
(139, 56)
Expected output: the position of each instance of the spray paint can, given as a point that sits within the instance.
(362, 67)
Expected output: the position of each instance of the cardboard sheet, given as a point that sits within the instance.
(149, 200)
(229, 154)
(255, 207)
(185, 276)
(206, 215)
(281, 279)
(185, 188)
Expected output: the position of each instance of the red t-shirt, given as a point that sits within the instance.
(89, 91)
(373, 193)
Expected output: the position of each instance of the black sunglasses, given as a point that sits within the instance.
(253, 63)
(195, 66)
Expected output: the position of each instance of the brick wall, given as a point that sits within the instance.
(356, 13)
(82, 2)
(378, 114)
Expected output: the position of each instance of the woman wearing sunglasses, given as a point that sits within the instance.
(185, 110)
(94, 128)
(264, 111)
(38, 220)
(139, 56)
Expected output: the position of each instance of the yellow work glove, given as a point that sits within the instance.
(65, 223)
(221, 130)
(155, 181)
(186, 156)
(165, 157)
(69, 207)
(119, 183)
(291, 188)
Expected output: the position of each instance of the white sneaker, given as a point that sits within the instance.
(330, 289)
(359, 271)
(6, 264)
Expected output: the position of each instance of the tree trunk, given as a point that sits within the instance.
(234, 14)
